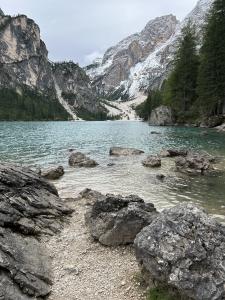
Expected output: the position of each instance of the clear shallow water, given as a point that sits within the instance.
(47, 143)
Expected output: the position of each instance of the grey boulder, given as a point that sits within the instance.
(78, 159)
(152, 162)
(120, 151)
(184, 249)
(116, 220)
(53, 173)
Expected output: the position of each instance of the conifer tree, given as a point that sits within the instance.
(180, 88)
(211, 79)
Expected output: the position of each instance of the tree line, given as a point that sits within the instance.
(195, 88)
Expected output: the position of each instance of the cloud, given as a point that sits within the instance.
(80, 29)
(89, 58)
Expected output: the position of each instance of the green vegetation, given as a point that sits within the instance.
(180, 88)
(160, 293)
(195, 89)
(154, 100)
(27, 105)
(211, 79)
(86, 115)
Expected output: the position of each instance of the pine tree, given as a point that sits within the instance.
(180, 88)
(211, 79)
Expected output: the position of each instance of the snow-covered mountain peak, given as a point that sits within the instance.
(142, 61)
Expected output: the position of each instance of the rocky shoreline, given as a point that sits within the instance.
(96, 246)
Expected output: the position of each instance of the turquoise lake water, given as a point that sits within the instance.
(47, 143)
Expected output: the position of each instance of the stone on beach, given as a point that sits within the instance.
(78, 159)
(184, 248)
(120, 151)
(116, 220)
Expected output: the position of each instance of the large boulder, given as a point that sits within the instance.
(120, 151)
(184, 249)
(152, 161)
(194, 164)
(78, 159)
(162, 116)
(213, 121)
(29, 208)
(221, 128)
(53, 173)
(116, 220)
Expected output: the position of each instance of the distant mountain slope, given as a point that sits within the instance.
(142, 60)
(26, 75)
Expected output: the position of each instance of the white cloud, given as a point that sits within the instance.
(89, 58)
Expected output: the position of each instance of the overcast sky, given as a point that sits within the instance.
(80, 30)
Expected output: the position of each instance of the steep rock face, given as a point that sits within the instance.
(142, 61)
(23, 55)
(73, 85)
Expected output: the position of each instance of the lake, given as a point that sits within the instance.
(48, 143)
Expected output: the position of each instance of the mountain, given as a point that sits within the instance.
(31, 87)
(143, 60)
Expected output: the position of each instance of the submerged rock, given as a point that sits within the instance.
(29, 207)
(120, 151)
(116, 220)
(152, 162)
(53, 173)
(184, 249)
(78, 159)
(162, 116)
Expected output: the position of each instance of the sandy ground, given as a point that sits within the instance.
(85, 270)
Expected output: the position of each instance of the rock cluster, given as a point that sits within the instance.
(29, 207)
(183, 248)
(116, 220)
(78, 159)
(194, 164)
(120, 151)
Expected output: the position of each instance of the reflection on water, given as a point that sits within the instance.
(47, 143)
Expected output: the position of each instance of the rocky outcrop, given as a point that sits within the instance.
(78, 159)
(184, 249)
(116, 220)
(120, 151)
(152, 161)
(29, 208)
(53, 173)
(211, 122)
(162, 116)
(1, 12)
(143, 60)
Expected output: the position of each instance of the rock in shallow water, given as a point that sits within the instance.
(152, 162)
(184, 248)
(120, 151)
(78, 159)
(116, 220)
(53, 173)
(29, 206)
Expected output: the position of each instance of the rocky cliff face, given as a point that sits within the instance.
(24, 64)
(142, 61)
(74, 87)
